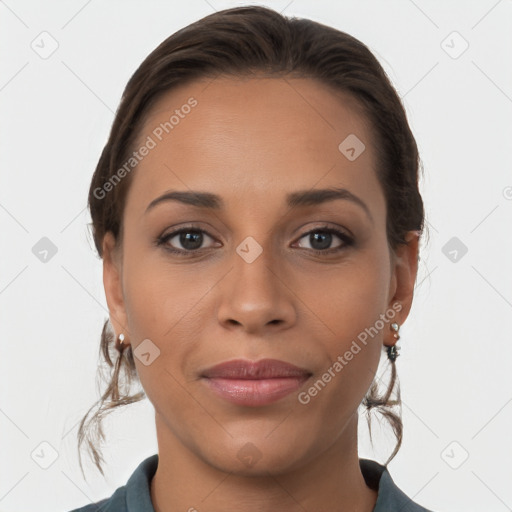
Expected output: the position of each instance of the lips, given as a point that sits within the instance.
(263, 369)
(254, 384)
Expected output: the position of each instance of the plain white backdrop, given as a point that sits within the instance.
(451, 64)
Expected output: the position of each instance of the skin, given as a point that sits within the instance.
(253, 141)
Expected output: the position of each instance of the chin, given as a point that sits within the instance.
(255, 457)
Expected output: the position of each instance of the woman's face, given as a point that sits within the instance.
(260, 275)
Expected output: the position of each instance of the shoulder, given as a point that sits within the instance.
(134, 496)
(93, 507)
(116, 503)
(390, 496)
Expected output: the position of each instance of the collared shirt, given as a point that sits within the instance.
(135, 495)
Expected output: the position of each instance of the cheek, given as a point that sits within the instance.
(158, 296)
(164, 307)
(171, 306)
(350, 298)
(168, 305)
(350, 303)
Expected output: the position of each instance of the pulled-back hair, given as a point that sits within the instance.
(244, 42)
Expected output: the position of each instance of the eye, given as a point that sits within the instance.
(189, 240)
(184, 240)
(320, 240)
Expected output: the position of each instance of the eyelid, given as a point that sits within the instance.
(343, 234)
(328, 227)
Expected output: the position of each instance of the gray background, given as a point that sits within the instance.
(454, 366)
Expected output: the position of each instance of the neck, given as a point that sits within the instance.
(331, 480)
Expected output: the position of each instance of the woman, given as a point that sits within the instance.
(257, 211)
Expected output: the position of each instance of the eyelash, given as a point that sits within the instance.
(347, 240)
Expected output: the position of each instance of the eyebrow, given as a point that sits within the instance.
(294, 199)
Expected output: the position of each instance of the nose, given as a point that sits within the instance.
(255, 297)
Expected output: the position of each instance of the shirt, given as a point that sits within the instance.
(135, 495)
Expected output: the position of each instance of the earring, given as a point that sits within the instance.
(119, 342)
(393, 349)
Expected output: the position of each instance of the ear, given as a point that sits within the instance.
(404, 271)
(112, 282)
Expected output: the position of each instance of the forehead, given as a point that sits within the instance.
(266, 136)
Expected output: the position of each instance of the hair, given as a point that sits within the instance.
(243, 42)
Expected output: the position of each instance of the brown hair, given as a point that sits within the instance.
(246, 41)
